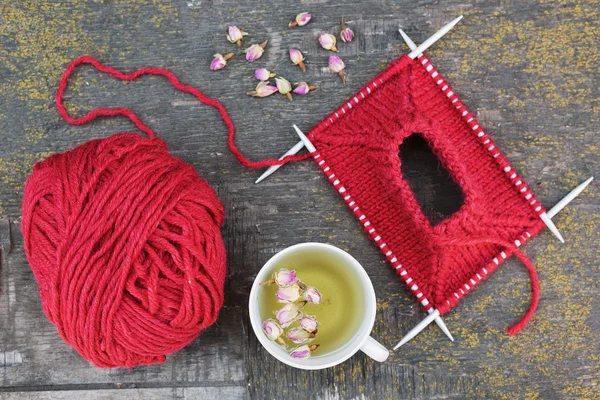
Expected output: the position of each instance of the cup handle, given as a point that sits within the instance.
(375, 350)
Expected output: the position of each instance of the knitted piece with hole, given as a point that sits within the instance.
(357, 150)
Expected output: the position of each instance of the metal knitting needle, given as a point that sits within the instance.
(551, 213)
(417, 51)
(433, 313)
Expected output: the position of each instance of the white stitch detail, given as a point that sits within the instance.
(429, 68)
(409, 280)
(484, 271)
(321, 162)
(528, 196)
(480, 134)
(434, 74)
(496, 260)
(444, 88)
(538, 208)
(367, 223)
(403, 273)
(336, 182)
(362, 217)
(342, 190)
(377, 238)
(425, 302)
(393, 260)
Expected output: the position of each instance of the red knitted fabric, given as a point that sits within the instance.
(357, 150)
(124, 240)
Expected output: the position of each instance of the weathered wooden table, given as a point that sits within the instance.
(530, 72)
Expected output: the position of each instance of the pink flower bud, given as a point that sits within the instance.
(328, 41)
(299, 335)
(255, 51)
(303, 88)
(346, 33)
(303, 351)
(289, 313)
(297, 58)
(286, 277)
(337, 65)
(311, 294)
(263, 74)
(219, 61)
(236, 35)
(288, 294)
(284, 87)
(272, 329)
(263, 90)
(301, 20)
(309, 324)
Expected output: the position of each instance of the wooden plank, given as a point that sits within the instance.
(227, 392)
(527, 69)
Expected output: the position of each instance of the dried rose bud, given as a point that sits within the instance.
(303, 88)
(263, 90)
(328, 41)
(284, 87)
(286, 277)
(273, 331)
(346, 33)
(255, 51)
(219, 61)
(309, 324)
(289, 313)
(312, 295)
(288, 294)
(236, 35)
(303, 351)
(299, 335)
(337, 65)
(297, 58)
(263, 74)
(301, 20)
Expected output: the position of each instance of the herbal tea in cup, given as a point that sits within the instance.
(312, 306)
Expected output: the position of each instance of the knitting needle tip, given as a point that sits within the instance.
(546, 219)
(440, 322)
(434, 38)
(297, 147)
(569, 197)
(417, 329)
(305, 140)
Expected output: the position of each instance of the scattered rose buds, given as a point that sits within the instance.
(236, 35)
(219, 61)
(309, 324)
(288, 294)
(255, 51)
(346, 33)
(289, 313)
(337, 65)
(312, 295)
(263, 90)
(297, 58)
(301, 20)
(303, 88)
(328, 41)
(299, 335)
(303, 351)
(273, 331)
(284, 87)
(263, 74)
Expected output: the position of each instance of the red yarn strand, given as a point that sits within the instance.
(99, 112)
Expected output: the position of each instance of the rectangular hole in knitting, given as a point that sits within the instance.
(433, 187)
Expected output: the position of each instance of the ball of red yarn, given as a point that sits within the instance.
(124, 241)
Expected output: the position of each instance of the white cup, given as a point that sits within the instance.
(360, 341)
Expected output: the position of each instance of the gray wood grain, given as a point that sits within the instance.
(528, 70)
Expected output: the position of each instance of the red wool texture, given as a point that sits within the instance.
(124, 240)
(357, 150)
